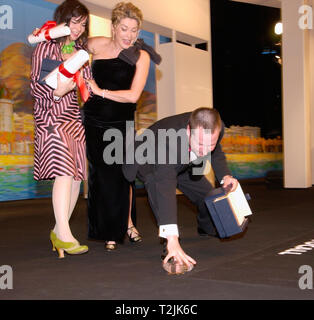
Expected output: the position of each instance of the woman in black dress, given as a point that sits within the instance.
(120, 69)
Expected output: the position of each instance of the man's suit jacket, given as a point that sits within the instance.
(161, 180)
(177, 122)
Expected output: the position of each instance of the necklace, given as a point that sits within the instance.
(68, 48)
(116, 49)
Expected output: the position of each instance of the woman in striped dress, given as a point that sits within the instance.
(59, 134)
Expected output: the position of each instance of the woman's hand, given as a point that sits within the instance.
(35, 31)
(94, 87)
(63, 87)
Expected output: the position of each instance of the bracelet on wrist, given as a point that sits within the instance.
(103, 93)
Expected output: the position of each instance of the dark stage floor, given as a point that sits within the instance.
(248, 267)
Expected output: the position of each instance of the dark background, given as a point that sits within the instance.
(246, 80)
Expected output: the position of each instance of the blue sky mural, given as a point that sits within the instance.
(26, 15)
(18, 18)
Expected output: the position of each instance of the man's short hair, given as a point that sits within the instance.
(206, 118)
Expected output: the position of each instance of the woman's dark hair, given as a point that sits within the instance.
(69, 9)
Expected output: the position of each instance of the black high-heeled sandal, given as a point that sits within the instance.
(133, 231)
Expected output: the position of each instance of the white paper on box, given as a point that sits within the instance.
(238, 203)
(72, 65)
(58, 31)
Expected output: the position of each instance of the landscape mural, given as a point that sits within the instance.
(248, 154)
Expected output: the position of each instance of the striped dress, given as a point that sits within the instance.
(59, 146)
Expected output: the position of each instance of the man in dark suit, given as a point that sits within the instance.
(165, 165)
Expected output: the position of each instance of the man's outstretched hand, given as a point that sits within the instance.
(176, 260)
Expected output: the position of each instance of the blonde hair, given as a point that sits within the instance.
(126, 10)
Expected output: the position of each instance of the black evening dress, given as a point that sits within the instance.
(108, 190)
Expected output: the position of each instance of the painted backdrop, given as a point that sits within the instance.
(16, 104)
(248, 154)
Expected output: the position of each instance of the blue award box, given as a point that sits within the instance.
(229, 211)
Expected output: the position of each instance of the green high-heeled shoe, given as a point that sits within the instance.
(53, 238)
(71, 248)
